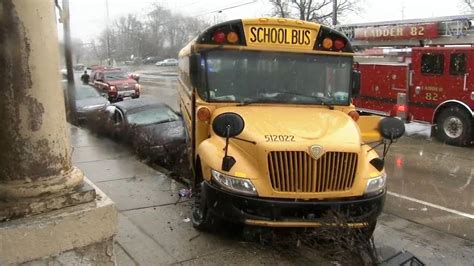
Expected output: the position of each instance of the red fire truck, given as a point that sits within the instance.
(432, 83)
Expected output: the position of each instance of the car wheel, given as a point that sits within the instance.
(454, 126)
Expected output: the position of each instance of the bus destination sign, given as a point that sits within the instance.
(399, 32)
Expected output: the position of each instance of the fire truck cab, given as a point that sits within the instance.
(436, 87)
(430, 83)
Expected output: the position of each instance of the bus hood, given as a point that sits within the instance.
(295, 124)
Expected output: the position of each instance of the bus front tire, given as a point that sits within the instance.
(454, 126)
(201, 217)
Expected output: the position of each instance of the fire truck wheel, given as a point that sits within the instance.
(454, 126)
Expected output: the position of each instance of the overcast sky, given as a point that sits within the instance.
(88, 17)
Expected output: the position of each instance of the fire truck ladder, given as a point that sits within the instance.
(452, 30)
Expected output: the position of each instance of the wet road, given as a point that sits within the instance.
(428, 182)
(158, 82)
(431, 183)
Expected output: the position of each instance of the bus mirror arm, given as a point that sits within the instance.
(379, 163)
(228, 125)
(390, 129)
(386, 146)
(249, 141)
(227, 161)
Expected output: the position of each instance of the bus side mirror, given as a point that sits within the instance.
(194, 67)
(228, 125)
(355, 83)
(391, 128)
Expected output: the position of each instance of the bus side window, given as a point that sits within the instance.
(432, 64)
(457, 65)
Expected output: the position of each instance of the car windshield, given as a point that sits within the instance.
(274, 77)
(151, 115)
(86, 92)
(115, 75)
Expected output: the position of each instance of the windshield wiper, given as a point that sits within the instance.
(322, 100)
(257, 100)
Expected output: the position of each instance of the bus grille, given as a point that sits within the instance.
(297, 171)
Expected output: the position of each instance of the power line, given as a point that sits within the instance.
(224, 8)
(188, 5)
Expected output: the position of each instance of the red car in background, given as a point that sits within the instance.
(115, 82)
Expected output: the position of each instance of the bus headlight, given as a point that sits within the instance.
(376, 184)
(236, 184)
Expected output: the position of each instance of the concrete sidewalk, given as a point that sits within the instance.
(154, 229)
(152, 225)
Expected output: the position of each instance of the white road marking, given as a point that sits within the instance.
(467, 215)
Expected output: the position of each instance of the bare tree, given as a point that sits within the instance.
(469, 3)
(127, 36)
(78, 50)
(313, 10)
(161, 33)
(280, 8)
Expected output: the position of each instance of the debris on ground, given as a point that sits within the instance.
(186, 220)
(194, 237)
(185, 193)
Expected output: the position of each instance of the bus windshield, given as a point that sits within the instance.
(276, 77)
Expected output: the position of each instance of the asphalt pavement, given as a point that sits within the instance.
(431, 183)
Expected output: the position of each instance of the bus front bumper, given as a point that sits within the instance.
(354, 212)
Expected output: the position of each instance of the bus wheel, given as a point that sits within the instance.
(201, 217)
(454, 126)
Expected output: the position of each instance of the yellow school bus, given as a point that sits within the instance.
(273, 137)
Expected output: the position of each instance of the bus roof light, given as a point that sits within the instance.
(327, 43)
(339, 44)
(232, 37)
(218, 37)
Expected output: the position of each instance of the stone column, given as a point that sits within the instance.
(35, 154)
(36, 173)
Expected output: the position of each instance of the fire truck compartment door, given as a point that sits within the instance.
(368, 126)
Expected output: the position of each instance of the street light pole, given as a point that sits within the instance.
(107, 31)
(71, 95)
(334, 12)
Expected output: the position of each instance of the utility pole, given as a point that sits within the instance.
(107, 31)
(216, 16)
(334, 12)
(71, 95)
